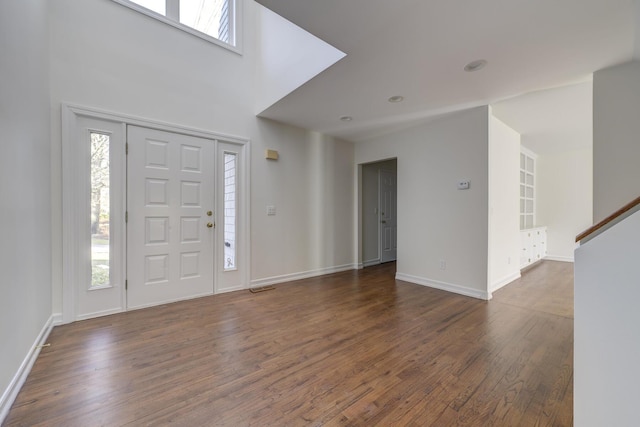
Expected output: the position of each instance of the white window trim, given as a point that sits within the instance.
(75, 222)
(235, 25)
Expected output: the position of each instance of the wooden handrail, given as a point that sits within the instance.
(626, 208)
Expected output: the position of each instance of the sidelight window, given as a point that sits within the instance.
(100, 210)
(230, 210)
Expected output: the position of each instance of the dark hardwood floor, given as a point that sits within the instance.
(356, 348)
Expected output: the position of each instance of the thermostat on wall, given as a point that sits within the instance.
(271, 154)
(464, 185)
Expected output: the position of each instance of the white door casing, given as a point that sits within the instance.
(170, 206)
(78, 302)
(388, 216)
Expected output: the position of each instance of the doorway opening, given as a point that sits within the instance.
(378, 220)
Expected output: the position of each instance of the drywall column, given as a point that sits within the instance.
(616, 138)
(25, 185)
(607, 349)
(504, 228)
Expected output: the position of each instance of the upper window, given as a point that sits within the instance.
(213, 20)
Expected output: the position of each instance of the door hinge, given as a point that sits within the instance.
(126, 285)
(126, 148)
(126, 216)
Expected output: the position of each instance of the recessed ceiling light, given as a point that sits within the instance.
(396, 98)
(475, 65)
(346, 118)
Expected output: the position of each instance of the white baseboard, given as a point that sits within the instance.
(158, 303)
(302, 275)
(443, 286)
(100, 314)
(232, 289)
(559, 258)
(10, 394)
(504, 281)
(57, 319)
(371, 262)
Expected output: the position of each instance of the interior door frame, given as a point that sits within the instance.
(71, 256)
(364, 233)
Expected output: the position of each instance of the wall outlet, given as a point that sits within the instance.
(443, 264)
(464, 184)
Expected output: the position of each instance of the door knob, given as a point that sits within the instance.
(209, 225)
(383, 221)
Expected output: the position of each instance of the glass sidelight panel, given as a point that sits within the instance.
(230, 210)
(100, 211)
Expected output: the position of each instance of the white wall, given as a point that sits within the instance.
(636, 51)
(25, 215)
(435, 220)
(564, 199)
(504, 207)
(129, 63)
(370, 204)
(288, 57)
(606, 274)
(607, 348)
(616, 130)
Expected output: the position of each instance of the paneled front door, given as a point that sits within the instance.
(171, 223)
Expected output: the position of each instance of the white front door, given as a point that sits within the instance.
(171, 222)
(388, 221)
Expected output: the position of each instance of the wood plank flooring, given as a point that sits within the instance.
(350, 349)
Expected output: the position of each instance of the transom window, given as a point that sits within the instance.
(213, 20)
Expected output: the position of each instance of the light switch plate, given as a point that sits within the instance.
(271, 210)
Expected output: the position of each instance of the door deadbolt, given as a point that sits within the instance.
(209, 213)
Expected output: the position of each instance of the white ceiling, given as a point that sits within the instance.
(552, 120)
(418, 48)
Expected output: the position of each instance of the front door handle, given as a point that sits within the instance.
(210, 225)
